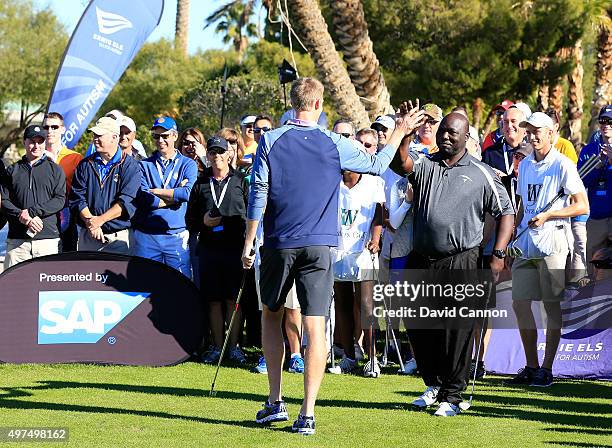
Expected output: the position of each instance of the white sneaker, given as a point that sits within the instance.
(410, 367)
(347, 365)
(428, 398)
(359, 353)
(447, 409)
(370, 372)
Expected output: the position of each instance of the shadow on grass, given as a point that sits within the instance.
(186, 392)
(560, 411)
(595, 432)
(560, 388)
(579, 444)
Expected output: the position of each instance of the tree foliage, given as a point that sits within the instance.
(31, 46)
(154, 82)
(456, 51)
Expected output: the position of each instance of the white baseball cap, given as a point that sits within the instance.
(248, 119)
(538, 120)
(384, 120)
(523, 107)
(127, 122)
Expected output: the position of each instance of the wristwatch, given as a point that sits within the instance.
(499, 253)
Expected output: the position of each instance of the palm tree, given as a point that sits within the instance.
(602, 93)
(233, 20)
(312, 30)
(351, 30)
(575, 97)
(181, 33)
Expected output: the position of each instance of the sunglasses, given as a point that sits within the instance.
(431, 122)
(605, 122)
(216, 151)
(380, 128)
(158, 136)
(248, 126)
(346, 134)
(367, 145)
(189, 142)
(261, 130)
(232, 142)
(53, 127)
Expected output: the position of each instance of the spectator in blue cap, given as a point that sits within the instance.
(167, 178)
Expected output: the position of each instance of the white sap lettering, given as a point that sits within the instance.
(47, 313)
(100, 316)
(80, 318)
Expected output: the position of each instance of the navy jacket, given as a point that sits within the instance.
(120, 186)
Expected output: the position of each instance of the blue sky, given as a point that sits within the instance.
(69, 12)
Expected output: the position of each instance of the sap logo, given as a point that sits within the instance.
(466, 178)
(82, 317)
(110, 23)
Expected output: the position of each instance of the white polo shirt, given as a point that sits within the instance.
(539, 183)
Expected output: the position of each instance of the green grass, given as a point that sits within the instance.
(169, 407)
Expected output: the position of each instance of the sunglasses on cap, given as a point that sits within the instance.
(53, 127)
(158, 136)
(260, 130)
(605, 122)
(215, 151)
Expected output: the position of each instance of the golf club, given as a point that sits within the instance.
(585, 170)
(336, 370)
(465, 405)
(389, 325)
(212, 392)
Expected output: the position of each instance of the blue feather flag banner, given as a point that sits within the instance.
(107, 38)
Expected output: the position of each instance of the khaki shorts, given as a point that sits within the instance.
(542, 278)
(291, 302)
(121, 242)
(18, 250)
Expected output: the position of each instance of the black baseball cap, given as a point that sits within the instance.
(217, 142)
(34, 130)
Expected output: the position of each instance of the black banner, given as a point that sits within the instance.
(100, 308)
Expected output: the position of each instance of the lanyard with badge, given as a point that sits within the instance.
(509, 168)
(159, 167)
(218, 202)
(601, 189)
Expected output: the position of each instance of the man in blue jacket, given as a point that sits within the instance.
(166, 182)
(599, 185)
(296, 179)
(103, 190)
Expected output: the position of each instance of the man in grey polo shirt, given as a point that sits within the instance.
(452, 193)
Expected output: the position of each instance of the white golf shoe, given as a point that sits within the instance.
(427, 398)
(447, 409)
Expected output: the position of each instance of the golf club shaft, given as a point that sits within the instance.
(229, 328)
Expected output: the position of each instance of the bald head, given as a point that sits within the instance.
(453, 134)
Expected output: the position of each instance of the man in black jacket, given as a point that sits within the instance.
(33, 192)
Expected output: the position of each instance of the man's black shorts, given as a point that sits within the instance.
(310, 268)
